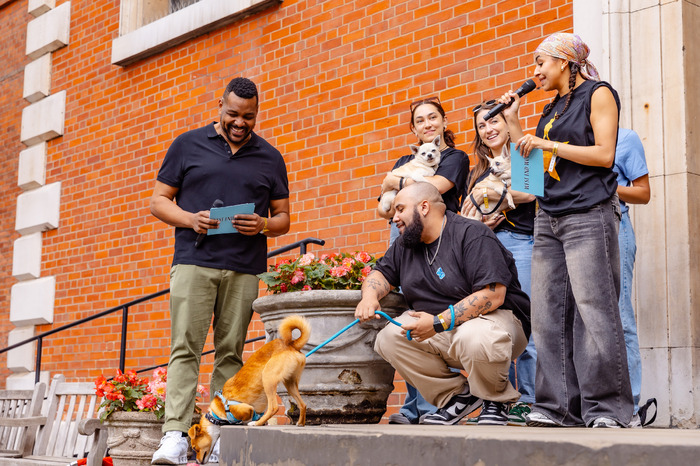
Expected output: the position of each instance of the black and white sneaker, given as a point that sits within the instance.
(455, 409)
(493, 413)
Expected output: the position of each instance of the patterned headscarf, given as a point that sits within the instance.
(569, 47)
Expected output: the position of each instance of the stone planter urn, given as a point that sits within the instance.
(345, 382)
(133, 437)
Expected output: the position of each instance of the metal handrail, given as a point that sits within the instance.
(125, 316)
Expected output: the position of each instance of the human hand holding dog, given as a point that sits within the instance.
(421, 328)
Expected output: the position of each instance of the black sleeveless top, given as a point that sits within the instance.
(578, 187)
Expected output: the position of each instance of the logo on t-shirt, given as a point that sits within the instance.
(547, 155)
(440, 273)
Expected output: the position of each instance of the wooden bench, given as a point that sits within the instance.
(68, 428)
(20, 417)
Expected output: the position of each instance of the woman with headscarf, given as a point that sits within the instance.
(582, 377)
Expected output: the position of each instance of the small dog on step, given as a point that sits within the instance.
(254, 388)
(424, 163)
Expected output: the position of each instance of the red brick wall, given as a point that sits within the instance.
(335, 79)
(13, 17)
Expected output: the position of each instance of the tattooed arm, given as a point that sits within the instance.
(374, 288)
(480, 302)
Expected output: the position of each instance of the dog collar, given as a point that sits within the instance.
(230, 418)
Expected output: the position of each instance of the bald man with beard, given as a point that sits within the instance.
(468, 309)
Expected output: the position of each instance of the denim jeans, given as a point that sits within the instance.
(520, 246)
(628, 250)
(414, 406)
(581, 358)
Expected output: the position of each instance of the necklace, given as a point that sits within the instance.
(430, 262)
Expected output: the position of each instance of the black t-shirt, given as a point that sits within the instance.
(579, 187)
(519, 220)
(454, 166)
(469, 258)
(200, 165)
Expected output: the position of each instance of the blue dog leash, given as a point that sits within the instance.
(339, 332)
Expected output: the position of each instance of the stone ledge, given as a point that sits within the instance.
(448, 445)
(49, 31)
(175, 28)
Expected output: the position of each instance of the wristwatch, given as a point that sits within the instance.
(437, 325)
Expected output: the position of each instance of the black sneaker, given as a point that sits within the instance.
(493, 413)
(455, 409)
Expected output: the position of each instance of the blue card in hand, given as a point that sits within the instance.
(527, 174)
(225, 215)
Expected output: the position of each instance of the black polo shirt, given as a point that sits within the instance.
(199, 163)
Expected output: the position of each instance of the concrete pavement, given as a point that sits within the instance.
(383, 444)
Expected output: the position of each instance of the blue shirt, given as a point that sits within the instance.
(630, 163)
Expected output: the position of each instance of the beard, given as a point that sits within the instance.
(411, 236)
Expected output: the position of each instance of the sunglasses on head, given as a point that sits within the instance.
(485, 104)
(428, 100)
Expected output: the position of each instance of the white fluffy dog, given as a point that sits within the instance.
(424, 163)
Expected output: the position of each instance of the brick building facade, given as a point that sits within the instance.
(336, 79)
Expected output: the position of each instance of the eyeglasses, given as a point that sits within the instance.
(485, 104)
(428, 100)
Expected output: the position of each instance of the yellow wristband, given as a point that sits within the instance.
(442, 321)
(264, 229)
(555, 149)
(486, 198)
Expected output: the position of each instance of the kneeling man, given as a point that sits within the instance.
(469, 311)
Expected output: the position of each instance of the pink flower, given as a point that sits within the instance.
(363, 257)
(348, 262)
(339, 271)
(157, 388)
(147, 402)
(365, 271)
(307, 259)
(202, 391)
(283, 287)
(161, 373)
(306, 288)
(298, 277)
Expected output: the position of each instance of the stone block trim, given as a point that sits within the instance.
(37, 8)
(44, 120)
(21, 359)
(26, 257)
(175, 28)
(31, 172)
(31, 302)
(39, 209)
(49, 31)
(37, 78)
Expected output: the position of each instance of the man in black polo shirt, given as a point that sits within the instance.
(469, 310)
(215, 275)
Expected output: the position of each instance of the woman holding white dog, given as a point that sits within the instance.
(428, 119)
(515, 230)
(582, 377)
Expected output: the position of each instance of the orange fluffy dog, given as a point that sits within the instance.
(254, 388)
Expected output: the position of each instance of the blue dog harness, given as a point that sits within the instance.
(230, 418)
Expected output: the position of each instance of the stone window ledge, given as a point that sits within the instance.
(177, 27)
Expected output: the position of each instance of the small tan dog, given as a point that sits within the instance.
(254, 388)
(424, 163)
(499, 181)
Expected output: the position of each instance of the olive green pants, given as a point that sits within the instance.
(196, 295)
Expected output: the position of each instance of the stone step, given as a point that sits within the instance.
(383, 444)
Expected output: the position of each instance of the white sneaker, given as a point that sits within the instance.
(172, 449)
(214, 455)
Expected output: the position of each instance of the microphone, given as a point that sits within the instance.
(526, 87)
(201, 236)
